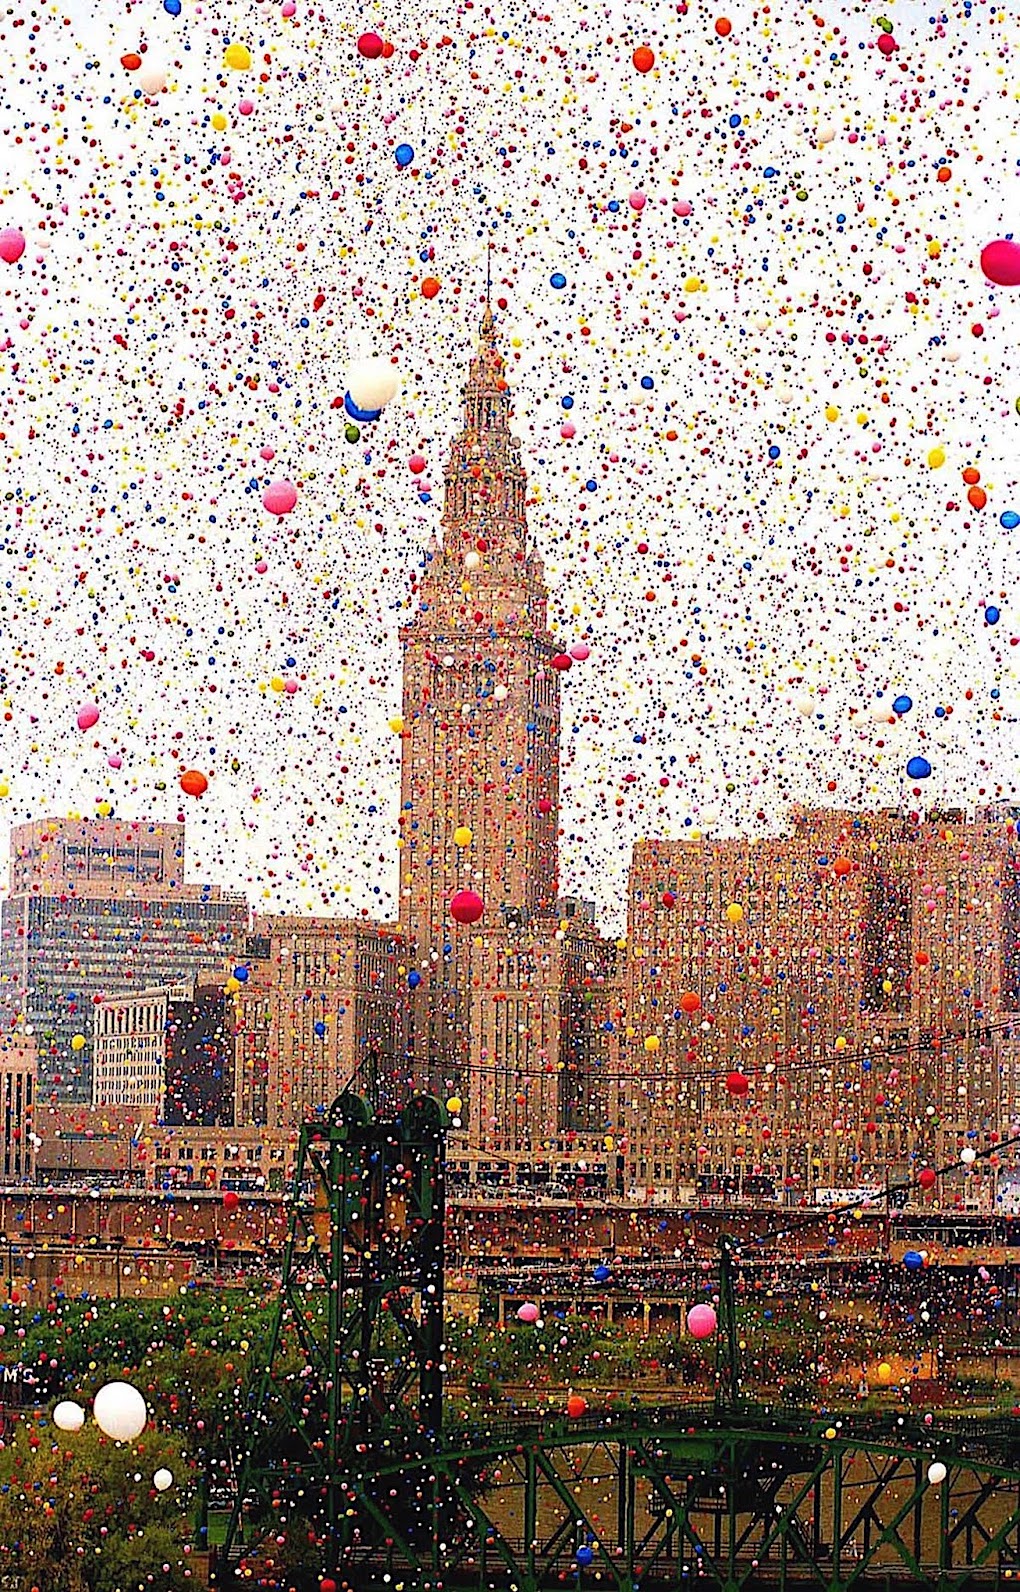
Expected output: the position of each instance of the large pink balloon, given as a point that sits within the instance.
(12, 244)
(1000, 261)
(466, 907)
(87, 716)
(701, 1321)
(528, 1313)
(279, 497)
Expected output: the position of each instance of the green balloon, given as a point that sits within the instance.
(352, 433)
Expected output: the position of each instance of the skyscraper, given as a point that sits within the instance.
(495, 1014)
(100, 908)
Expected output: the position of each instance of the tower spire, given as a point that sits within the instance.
(488, 325)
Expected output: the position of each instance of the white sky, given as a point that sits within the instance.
(779, 568)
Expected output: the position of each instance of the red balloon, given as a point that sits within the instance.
(230, 1200)
(1000, 261)
(544, 804)
(576, 1406)
(194, 782)
(927, 1178)
(643, 58)
(562, 661)
(370, 45)
(328, 1585)
(737, 1084)
(668, 898)
(690, 1002)
(886, 44)
(841, 867)
(466, 907)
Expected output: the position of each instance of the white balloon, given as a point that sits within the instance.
(372, 382)
(501, 693)
(472, 560)
(936, 1472)
(826, 135)
(119, 1411)
(162, 1480)
(68, 1416)
(152, 79)
(805, 707)
(968, 1156)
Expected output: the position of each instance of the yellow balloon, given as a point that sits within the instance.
(652, 1044)
(78, 1042)
(735, 912)
(238, 57)
(219, 121)
(831, 412)
(885, 1372)
(453, 1105)
(936, 458)
(462, 835)
(841, 1043)
(397, 726)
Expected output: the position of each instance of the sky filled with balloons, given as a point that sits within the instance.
(767, 394)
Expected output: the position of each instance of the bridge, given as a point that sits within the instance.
(352, 1449)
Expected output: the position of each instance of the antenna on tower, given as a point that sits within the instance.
(487, 321)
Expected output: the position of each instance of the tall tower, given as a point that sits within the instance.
(481, 721)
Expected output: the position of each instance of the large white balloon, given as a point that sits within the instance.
(936, 1472)
(162, 1480)
(68, 1416)
(372, 382)
(120, 1412)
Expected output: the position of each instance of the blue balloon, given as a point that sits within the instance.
(413, 979)
(404, 154)
(172, 7)
(320, 1029)
(1010, 519)
(557, 279)
(364, 415)
(991, 615)
(584, 1555)
(601, 1273)
(912, 1260)
(918, 768)
(647, 383)
(241, 974)
(903, 704)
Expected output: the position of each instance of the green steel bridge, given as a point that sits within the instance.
(348, 1441)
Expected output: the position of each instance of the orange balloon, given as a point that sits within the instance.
(643, 59)
(977, 497)
(690, 1002)
(971, 476)
(723, 25)
(576, 1406)
(430, 287)
(194, 783)
(842, 866)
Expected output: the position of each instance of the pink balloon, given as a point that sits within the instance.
(528, 1313)
(290, 686)
(267, 453)
(115, 761)
(246, 107)
(701, 1321)
(466, 907)
(579, 651)
(12, 244)
(886, 44)
(683, 207)
(279, 497)
(569, 430)
(638, 200)
(88, 715)
(261, 567)
(1000, 261)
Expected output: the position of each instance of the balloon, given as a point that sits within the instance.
(78, 1042)
(404, 155)
(937, 1472)
(163, 1479)
(701, 1321)
(237, 57)
(991, 615)
(885, 1372)
(193, 782)
(576, 1406)
(902, 704)
(601, 1274)
(462, 835)
(87, 716)
(528, 1313)
(886, 44)
(416, 463)
(1000, 261)
(735, 912)
(68, 1416)
(968, 1156)
(690, 1002)
(723, 26)
(119, 1411)
(841, 867)
(918, 768)
(913, 1260)
(12, 244)
(413, 979)
(373, 382)
(455, 1105)
(580, 651)
(584, 1554)
(643, 58)
(652, 1043)
(466, 907)
(927, 1178)
(370, 45)
(279, 497)
(430, 287)
(152, 80)
(230, 1200)
(736, 1084)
